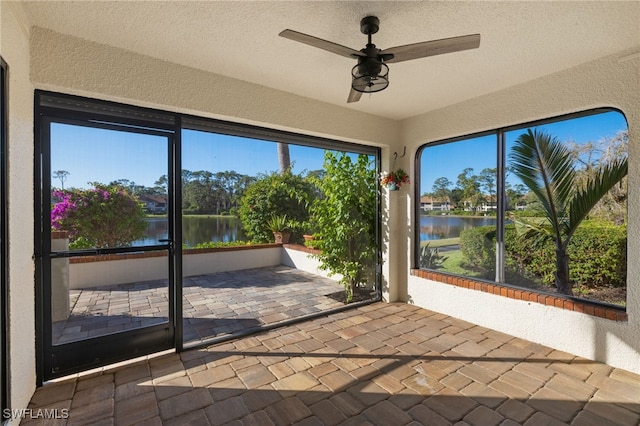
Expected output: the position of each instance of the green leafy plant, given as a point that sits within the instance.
(430, 258)
(218, 244)
(345, 218)
(546, 167)
(279, 223)
(104, 216)
(276, 195)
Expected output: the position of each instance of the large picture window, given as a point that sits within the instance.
(541, 206)
(161, 230)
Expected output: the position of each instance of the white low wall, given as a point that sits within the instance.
(611, 342)
(304, 261)
(110, 272)
(232, 260)
(102, 273)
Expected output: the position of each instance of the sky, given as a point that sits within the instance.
(448, 160)
(97, 155)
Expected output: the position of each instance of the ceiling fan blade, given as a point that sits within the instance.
(321, 44)
(354, 96)
(432, 48)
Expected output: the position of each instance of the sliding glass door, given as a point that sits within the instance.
(107, 242)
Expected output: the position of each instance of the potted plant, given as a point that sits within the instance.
(345, 221)
(281, 228)
(394, 180)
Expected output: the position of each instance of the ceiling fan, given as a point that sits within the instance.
(371, 74)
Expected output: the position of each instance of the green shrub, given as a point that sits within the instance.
(275, 195)
(534, 258)
(478, 247)
(597, 255)
(218, 244)
(597, 252)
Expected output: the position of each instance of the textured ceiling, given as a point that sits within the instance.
(520, 42)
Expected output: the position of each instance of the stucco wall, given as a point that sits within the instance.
(68, 64)
(613, 81)
(95, 70)
(64, 63)
(14, 48)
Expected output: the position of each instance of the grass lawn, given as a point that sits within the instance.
(453, 264)
(441, 243)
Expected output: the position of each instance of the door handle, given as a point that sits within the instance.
(166, 240)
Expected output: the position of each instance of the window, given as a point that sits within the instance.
(479, 215)
(171, 230)
(237, 190)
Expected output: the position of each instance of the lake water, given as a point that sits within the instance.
(201, 229)
(195, 230)
(440, 227)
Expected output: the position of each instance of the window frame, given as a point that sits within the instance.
(4, 232)
(501, 142)
(62, 106)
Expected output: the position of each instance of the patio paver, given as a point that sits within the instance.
(437, 377)
(214, 305)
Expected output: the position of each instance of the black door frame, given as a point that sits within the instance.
(55, 361)
(59, 106)
(4, 246)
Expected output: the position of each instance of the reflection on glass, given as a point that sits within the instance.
(458, 184)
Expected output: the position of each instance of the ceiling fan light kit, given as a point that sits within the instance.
(371, 74)
(369, 77)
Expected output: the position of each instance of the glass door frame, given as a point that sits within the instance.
(59, 360)
(4, 245)
(58, 107)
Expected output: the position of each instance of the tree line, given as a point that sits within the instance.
(471, 190)
(203, 192)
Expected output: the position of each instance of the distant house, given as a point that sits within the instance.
(153, 203)
(429, 204)
(486, 205)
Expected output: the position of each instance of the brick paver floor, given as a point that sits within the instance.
(214, 305)
(380, 364)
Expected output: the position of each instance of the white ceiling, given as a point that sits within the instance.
(520, 42)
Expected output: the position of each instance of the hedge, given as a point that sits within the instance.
(597, 252)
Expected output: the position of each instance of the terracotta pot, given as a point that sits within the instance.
(282, 237)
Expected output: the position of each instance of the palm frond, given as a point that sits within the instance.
(595, 188)
(544, 165)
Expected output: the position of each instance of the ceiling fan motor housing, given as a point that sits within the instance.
(370, 75)
(369, 25)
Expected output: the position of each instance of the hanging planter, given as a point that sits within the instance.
(394, 180)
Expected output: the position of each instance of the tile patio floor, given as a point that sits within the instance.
(380, 364)
(214, 305)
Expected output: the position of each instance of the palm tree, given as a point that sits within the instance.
(545, 166)
(284, 159)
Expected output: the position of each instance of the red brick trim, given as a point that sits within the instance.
(299, 247)
(558, 301)
(151, 254)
